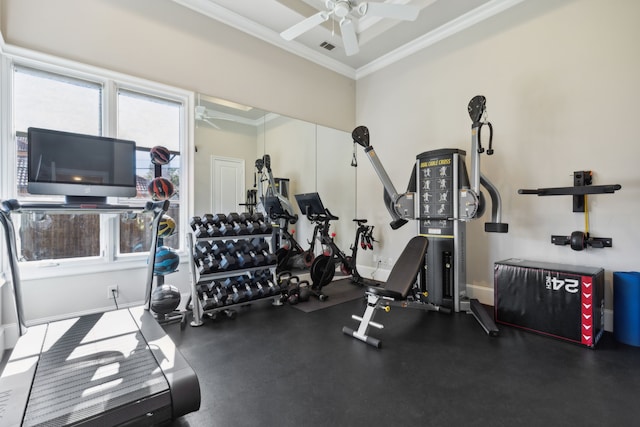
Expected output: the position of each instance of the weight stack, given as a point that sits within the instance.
(626, 307)
(439, 176)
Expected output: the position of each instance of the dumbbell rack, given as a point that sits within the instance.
(198, 297)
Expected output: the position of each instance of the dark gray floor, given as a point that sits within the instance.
(278, 366)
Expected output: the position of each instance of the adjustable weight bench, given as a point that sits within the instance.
(401, 281)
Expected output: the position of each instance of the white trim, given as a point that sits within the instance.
(232, 19)
(263, 33)
(452, 27)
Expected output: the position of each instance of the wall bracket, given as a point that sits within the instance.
(581, 187)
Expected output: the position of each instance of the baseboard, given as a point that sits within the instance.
(379, 274)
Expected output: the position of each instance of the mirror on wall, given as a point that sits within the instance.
(229, 137)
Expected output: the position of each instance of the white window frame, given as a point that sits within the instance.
(112, 82)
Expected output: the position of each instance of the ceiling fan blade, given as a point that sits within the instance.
(349, 38)
(305, 25)
(210, 123)
(404, 12)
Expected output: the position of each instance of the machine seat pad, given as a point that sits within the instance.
(405, 271)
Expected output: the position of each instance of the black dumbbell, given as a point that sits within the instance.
(258, 258)
(238, 226)
(214, 219)
(209, 265)
(262, 248)
(257, 290)
(260, 244)
(245, 284)
(244, 260)
(234, 291)
(201, 231)
(226, 229)
(221, 294)
(265, 225)
(203, 289)
(227, 262)
(233, 247)
(217, 248)
(210, 298)
(213, 230)
(262, 287)
(202, 249)
(195, 222)
(253, 227)
(203, 268)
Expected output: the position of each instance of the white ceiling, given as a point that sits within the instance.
(381, 41)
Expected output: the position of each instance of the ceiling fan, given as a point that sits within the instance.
(202, 115)
(345, 10)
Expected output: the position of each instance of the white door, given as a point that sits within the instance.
(227, 184)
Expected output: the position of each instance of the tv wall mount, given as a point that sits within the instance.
(582, 180)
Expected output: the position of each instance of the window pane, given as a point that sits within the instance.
(136, 232)
(43, 236)
(54, 101)
(150, 121)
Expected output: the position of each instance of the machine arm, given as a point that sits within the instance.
(265, 162)
(400, 206)
(477, 112)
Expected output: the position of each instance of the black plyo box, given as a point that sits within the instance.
(558, 300)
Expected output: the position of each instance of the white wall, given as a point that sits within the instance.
(561, 81)
(231, 140)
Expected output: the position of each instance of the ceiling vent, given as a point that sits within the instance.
(327, 45)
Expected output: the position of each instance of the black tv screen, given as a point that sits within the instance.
(82, 166)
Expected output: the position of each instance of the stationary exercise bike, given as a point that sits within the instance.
(288, 246)
(324, 266)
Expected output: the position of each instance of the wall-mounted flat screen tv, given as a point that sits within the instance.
(84, 168)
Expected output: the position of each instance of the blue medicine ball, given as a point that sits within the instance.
(167, 260)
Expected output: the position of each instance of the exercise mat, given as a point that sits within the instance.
(338, 291)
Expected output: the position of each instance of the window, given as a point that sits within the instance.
(78, 102)
(49, 100)
(150, 121)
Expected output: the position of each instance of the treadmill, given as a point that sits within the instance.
(105, 369)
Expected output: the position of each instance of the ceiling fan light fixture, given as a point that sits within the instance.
(341, 8)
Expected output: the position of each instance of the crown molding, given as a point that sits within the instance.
(452, 27)
(232, 19)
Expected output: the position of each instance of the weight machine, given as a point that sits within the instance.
(276, 187)
(443, 198)
(288, 245)
(273, 202)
